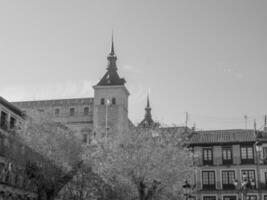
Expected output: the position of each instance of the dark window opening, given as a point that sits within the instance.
(102, 101)
(113, 101)
(247, 155)
(12, 123)
(264, 155)
(209, 198)
(72, 112)
(3, 120)
(86, 111)
(228, 178)
(251, 197)
(208, 180)
(207, 156)
(248, 176)
(227, 155)
(85, 136)
(57, 111)
(229, 197)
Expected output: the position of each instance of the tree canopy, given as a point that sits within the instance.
(144, 163)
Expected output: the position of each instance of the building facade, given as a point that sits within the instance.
(102, 115)
(14, 183)
(229, 165)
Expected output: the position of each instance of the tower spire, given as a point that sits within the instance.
(148, 103)
(112, 58)
(111, 77)
(148, 122)
(112, 52)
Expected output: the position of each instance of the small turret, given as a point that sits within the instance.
(147, 122)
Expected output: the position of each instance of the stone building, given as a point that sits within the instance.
(230, 165)
(104, 114)
(14, 184)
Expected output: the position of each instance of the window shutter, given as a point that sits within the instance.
(236, 154)
(217, 155)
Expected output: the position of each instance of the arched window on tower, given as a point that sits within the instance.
(57, 112)
(72, 112)
(102, 101)
(86, 111)
(113, 101)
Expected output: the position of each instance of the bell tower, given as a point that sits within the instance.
(110, 101)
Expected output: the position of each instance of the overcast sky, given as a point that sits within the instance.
(207, 58)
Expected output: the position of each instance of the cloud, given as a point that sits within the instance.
(132, 69)
(58, 90)
(231, 70)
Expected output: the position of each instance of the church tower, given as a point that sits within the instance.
(110, 101)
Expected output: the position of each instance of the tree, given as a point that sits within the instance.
(85, 185)
(57, 154)
(143, 164)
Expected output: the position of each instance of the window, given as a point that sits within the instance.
(251, 197)
(3, 120)
(227, 179)
(208, 180)
(207, 156)
(247, 156)
(85, 136)
(229, 197)
(249, 176)
(264, 155)
(209, 198)
(113, 101)
(72, 112)
(12, 123)
(265, 181)
(86, 111)
(102, 101)
(57, 111)
(227, 155)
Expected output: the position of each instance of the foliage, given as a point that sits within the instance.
(143, 164)
(56, 154)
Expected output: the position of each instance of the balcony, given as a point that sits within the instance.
(247, 161)
(228, 186)
(227, 162)
(207, 162)
(209, 187)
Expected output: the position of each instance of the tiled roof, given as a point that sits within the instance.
(54, 102)
(222, 136)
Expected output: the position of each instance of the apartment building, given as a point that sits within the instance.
(229, 165)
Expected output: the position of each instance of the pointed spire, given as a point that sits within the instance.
(148, 122)
(112, 52)
(148, 115)
(111, 77)
(148, 103)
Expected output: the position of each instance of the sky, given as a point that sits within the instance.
(207, 58)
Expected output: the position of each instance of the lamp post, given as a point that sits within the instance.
(186, 190)
(106, 120)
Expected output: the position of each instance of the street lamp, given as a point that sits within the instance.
(186, 190)
(106, 120)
